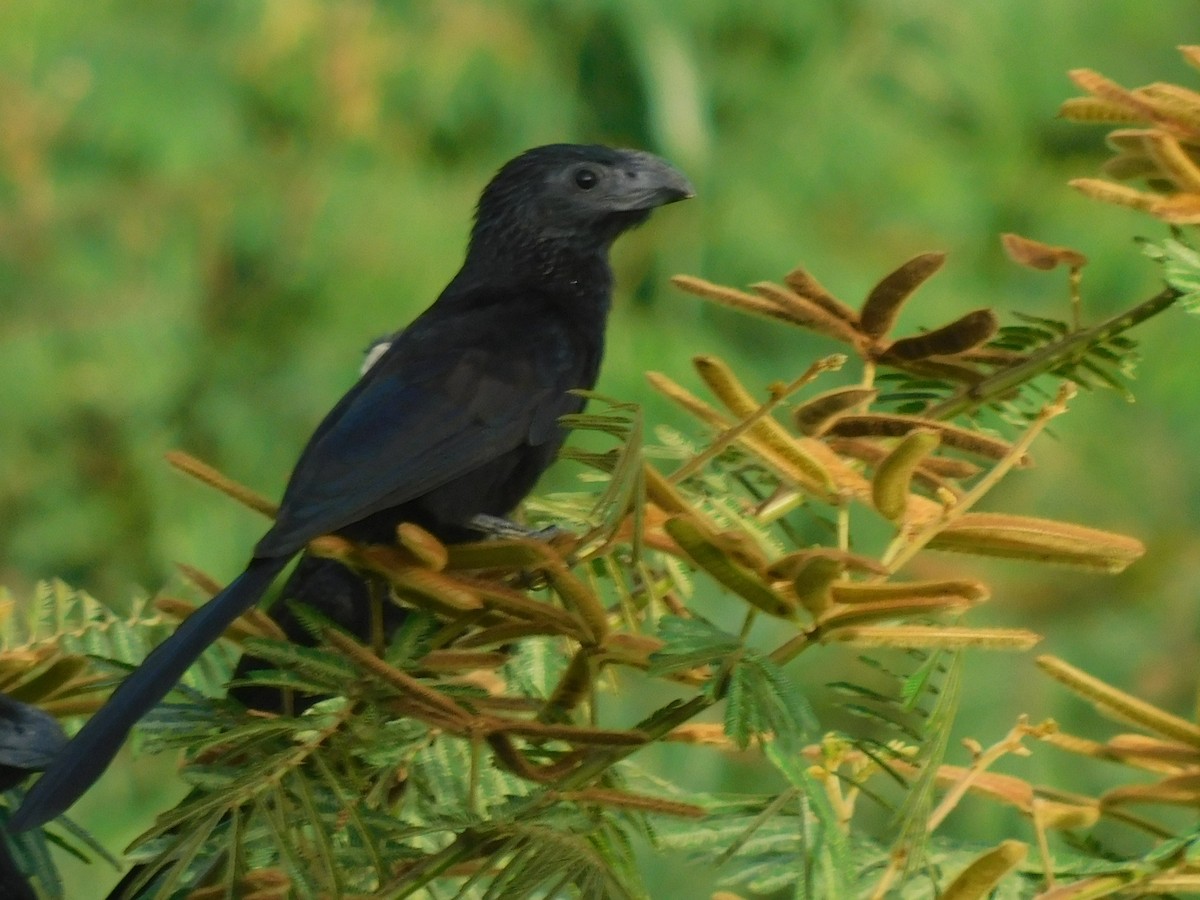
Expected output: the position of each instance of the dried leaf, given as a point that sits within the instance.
(1037, 255)
(886, 299)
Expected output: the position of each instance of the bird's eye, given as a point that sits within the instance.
(586, 179)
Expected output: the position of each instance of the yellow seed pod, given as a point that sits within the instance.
(1117, 194)
(851, 592)
(1089, 110)
(725, 385)
(887, 610)
(814, 580)
(1038, 540)
(424, 546)
(662, 492)
(985, 871)
(578, 598)
(945, 637)
(696, 543)
(893, 478)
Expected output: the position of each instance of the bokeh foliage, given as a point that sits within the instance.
(206, 210)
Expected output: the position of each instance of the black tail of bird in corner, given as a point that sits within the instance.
(88, 754)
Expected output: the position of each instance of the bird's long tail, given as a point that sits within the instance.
(93, 748)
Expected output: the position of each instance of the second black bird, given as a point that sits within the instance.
(458, 418)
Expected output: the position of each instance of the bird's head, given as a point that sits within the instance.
(572, 195)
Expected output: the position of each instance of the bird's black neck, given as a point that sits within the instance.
(552, 269)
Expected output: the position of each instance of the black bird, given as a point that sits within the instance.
(458, 418)
(334, 590)
(30, 739)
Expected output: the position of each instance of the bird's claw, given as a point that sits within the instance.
(498, 527)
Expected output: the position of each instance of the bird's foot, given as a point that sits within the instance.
(499, 527)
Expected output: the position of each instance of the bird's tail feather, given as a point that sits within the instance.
(88, 754)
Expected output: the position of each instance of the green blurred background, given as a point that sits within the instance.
(208, 209)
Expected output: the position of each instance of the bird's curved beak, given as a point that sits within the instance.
(648, 181)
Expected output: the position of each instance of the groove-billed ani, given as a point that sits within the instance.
(338, 593)
(458, 418)
(30, 739)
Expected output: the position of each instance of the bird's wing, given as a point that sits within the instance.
(419, 419)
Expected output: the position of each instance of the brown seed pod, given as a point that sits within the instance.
(1110, 92)
(731, 297)
(572, 687)
(813, 415)
(962, 334)
(886, 299)
(934, 471)
(808, 313)
(804, 284)
(1172, 161)
(880, 425)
